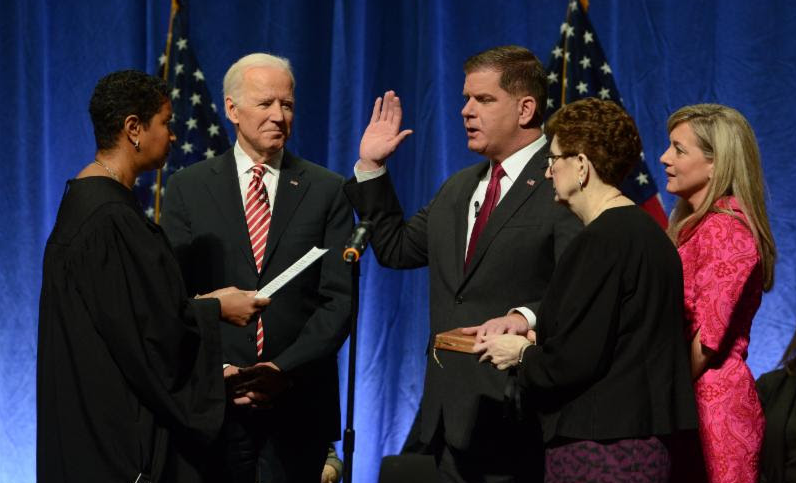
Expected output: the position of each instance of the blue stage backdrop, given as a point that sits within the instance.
(664, 54)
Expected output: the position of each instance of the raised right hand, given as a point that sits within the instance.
(382, 136)
(238, 307)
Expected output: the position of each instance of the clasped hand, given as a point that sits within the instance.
(502, 350)
(501, 340)
(256, 386)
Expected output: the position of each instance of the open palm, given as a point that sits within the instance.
(383, 135)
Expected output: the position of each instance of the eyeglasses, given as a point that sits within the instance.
(552, 158)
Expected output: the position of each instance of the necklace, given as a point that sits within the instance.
(111, 172)
(603, 206)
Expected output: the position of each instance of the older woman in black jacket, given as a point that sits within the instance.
(609, 377)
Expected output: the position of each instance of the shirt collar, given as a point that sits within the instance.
(514, 164)
(244, 163)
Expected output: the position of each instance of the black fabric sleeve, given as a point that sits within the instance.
(396, 243)
(586, 292)
(766, 385)
(166, 346)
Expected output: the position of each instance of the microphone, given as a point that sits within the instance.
(357, 242)
(477, 208)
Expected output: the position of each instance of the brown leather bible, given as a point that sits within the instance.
(454, 340)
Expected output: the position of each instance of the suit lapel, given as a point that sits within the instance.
(224, 187)
(527, 182)
(290, 190)
(461, 212)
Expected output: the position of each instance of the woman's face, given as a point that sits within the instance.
(562, 171)
(688, 171)
(156, 138)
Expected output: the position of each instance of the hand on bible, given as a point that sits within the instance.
(514, 323)
(382, 135)
(239, 307)
(502, 350)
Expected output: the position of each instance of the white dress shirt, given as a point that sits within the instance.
(244, 165)
(513, 166)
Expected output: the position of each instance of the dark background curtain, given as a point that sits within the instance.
(664, 54)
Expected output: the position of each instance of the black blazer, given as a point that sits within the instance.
(511, 266)
(307, 320)
(612, 361)
(777, 392)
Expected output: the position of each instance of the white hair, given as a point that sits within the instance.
(234, 76)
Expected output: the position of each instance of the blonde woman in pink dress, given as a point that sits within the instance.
(722, 233)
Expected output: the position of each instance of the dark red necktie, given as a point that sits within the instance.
(490, 201)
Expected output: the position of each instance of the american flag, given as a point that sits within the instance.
(578, 69)
(196, 123)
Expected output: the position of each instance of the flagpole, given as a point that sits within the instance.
(175, 6)
(564, 65)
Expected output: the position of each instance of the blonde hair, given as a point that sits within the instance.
(234, 76)
(726, 137)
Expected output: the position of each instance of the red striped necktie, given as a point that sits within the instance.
(258, 219)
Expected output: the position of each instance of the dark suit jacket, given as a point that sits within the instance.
(511, 266)
(307, 320)
(777, 392)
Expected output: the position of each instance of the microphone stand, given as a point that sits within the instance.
(348, 433)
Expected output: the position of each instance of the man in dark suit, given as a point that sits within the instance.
(490, 238)
(241, 219)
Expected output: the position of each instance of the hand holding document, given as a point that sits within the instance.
(290, 273)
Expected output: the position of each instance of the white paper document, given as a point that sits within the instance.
(293, 270)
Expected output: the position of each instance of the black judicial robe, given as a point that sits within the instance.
(129, 368)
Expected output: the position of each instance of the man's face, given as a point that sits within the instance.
(263, 112)
(491, 116)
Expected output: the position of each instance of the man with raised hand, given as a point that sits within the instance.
(490, 237)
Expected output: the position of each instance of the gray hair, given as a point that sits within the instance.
(234, 76)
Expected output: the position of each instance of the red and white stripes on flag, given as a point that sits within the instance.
(258, 219)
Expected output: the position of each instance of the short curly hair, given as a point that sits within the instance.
(601, 130)
(121, 94)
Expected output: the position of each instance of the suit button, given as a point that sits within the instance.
(250, 338)
(459, 300)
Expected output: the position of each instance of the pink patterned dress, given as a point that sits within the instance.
(723, 287)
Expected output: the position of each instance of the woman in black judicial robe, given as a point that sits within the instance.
(129, 368)
(610, 377)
